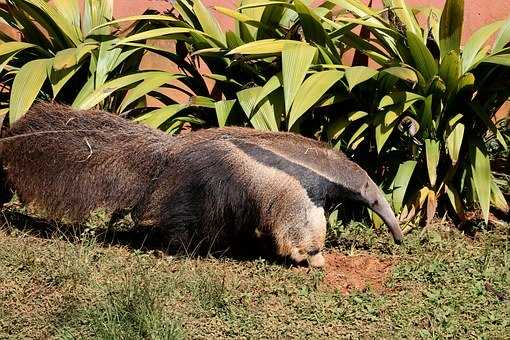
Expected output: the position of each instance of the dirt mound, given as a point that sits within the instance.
(359, 272)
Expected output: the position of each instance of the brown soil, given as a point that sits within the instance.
(348, 273)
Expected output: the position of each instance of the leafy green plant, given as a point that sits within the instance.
(425, 114)
(446, 107)
(423, 108)
(58, 54)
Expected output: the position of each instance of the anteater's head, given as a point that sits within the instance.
(304, 241)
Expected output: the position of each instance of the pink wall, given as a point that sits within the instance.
(477, 13)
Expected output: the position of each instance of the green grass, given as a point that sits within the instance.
(444, 284)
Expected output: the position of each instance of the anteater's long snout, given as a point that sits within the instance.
(383, 209)
(375, 199)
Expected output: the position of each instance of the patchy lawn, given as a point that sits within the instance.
(440, 283)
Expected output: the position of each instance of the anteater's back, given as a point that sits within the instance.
(72, 162)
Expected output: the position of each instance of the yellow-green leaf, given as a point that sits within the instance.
(481, 171)
(432, 155)
(503, 37)
(14, 46)
(274, 83)
(262, 47)
(450, 70)
(151, 83)
(358, 74)
(403, 73)
(475, 44)
(264, 118)
(296, 59)
(158, 33)
(27, 84)
(450, 27)
(312, 89)
(385, 124)
(208, 22)
(96, 14)
(223, 109)
(70, 11)
(455, 137)
(59, 78)
(404, 98)
(423, 59)
(455, 199)
(157, 117)
(357, 136)
(405, 14)
(497, 198)
(400, 183)
(337, 128)
(500, 59)
(105, 90)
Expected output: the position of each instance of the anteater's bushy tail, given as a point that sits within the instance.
(70, 163)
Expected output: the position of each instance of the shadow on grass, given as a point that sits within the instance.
(138, 238)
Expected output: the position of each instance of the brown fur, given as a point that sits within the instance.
(216, 185)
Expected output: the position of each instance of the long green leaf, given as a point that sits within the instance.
(9, 50)
(264, 118)
(360, 10)
(432, 156)
(405, 99)
(338, 127)
(310, 22)
(14, 46)
(497, 198)
(240, 17)
(105, 90)
(385, 124)
(357, 137)
(96, 14)
(262, 47)
(56, 23)
(223, 109)
(105, 62)
(274, 83)
(475, 44)
(450, 29)
(358, 74)
(58, 78)
(450, 70)
(400, 183)
(455, 199)
(423, 59)
(155, 17)
(481, 171)
(403, 73)
(503, 37)
(499, 59)
(296, 59)
(159, 33)
(159, 116)
(455, 137)
(72, 56)
(312, 89)
(208, 22)
(151, 83)
(26, 86)
(70, 10)
(405, 14)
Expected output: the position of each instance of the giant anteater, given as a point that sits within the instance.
(216, 185)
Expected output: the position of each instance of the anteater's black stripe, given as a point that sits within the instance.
(321, 190)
